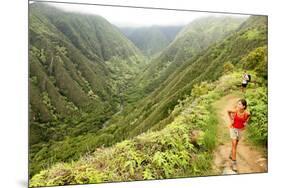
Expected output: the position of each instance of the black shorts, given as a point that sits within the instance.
(244, 85)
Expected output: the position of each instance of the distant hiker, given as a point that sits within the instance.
(239, 118)
(245, 80)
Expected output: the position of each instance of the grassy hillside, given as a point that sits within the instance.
(192, 39)
(153, 110)
(169, 153)
(151, 40)
(83, 70)
(79, 65)
(239, 49)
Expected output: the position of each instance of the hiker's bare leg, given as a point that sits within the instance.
(234, 148)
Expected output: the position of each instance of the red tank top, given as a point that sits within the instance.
(239, 121)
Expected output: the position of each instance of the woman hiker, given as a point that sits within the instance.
(245, 81)
(239, 118)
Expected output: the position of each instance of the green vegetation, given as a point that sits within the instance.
(151, 40)
(77, 76)
(152, 111)
(192, 40)
(257, 130)
(167, 153)
(100, 111)
(257, 60)
(228, 67)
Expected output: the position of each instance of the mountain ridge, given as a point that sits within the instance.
(92, 83)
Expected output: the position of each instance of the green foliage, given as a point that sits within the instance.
(61, 50)
(257, 60)
(153, 111)
(34, 80)
(188, 45)
(68, 52)
(73, 86)
(201, 89)
(251, 34)
(82, 71)
(147, 174)
(167, 153)
(130, 158)
(151, 40)
(46, 100)
(257, 130)
(228, 67)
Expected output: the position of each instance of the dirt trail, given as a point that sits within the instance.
(249, 158)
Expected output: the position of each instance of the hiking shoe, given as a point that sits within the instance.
(234, 166)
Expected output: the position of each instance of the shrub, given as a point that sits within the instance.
(257, 130)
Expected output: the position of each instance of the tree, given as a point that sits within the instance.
(228, 67)
(255, 58)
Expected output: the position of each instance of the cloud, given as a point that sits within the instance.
(137, 17)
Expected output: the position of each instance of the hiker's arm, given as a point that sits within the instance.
(230, 115)
(246, 122)
(248, 117)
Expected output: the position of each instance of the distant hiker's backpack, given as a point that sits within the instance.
(249, 77)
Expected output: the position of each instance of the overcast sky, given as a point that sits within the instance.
(137, 17)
